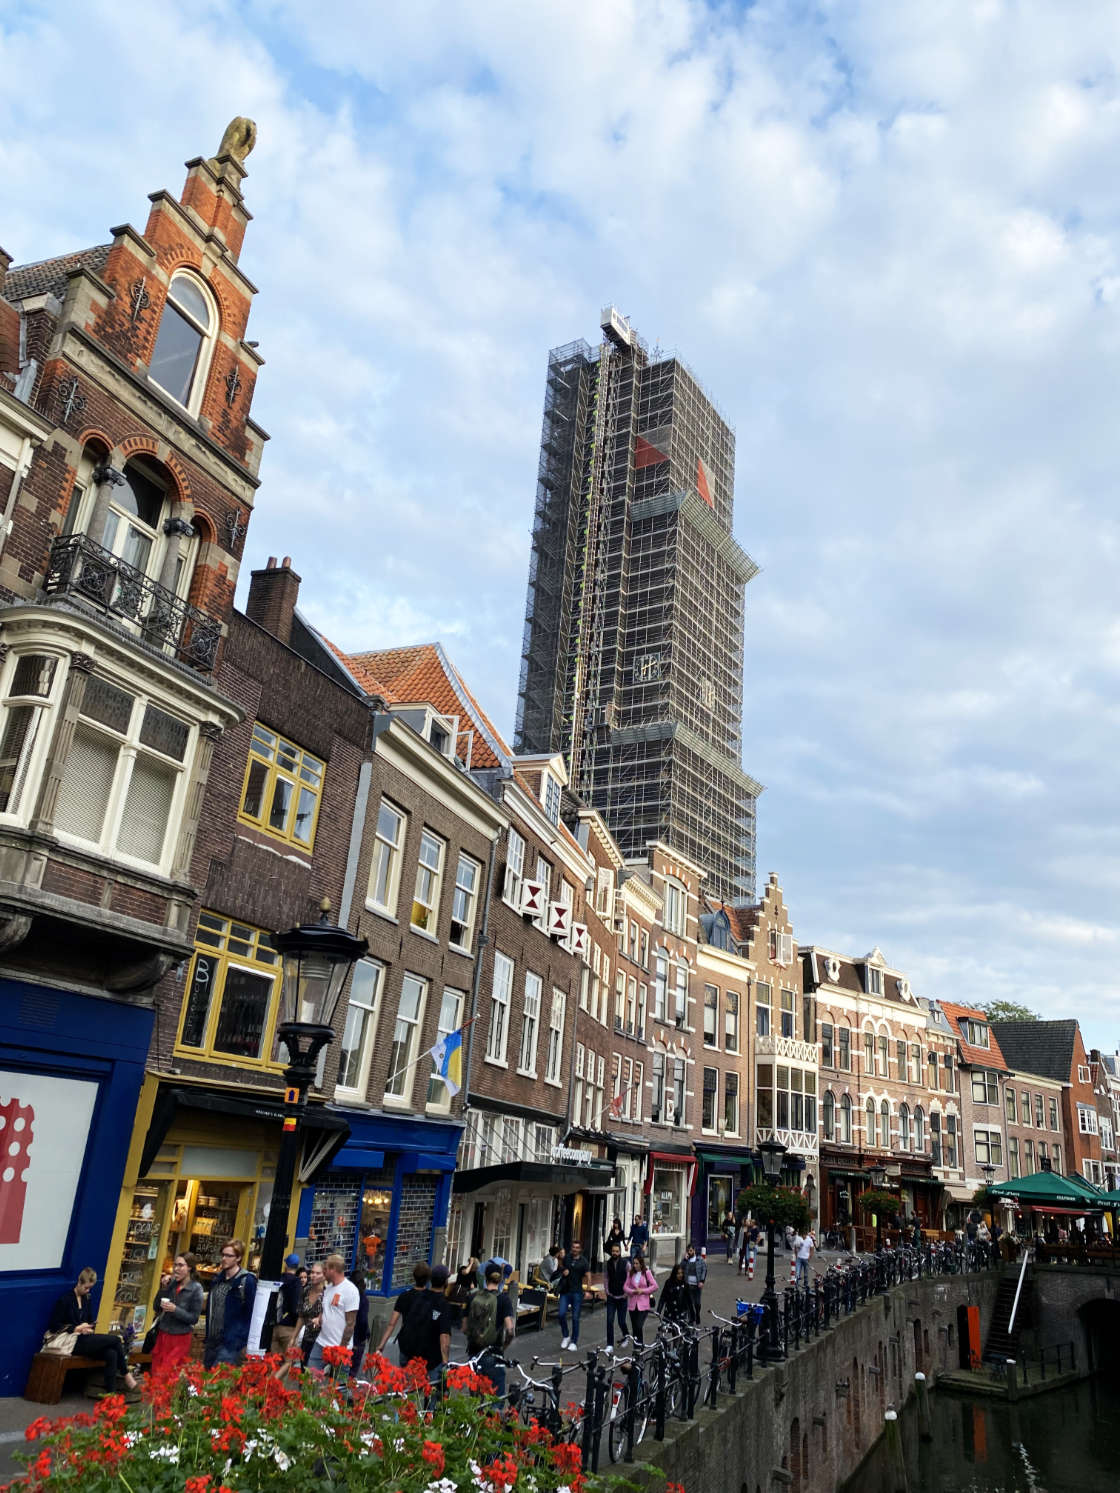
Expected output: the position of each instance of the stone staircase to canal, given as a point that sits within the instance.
(1003, 1339)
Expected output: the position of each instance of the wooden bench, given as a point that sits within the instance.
(48, 1373)
(532, 1307)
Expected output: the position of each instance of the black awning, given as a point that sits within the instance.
(243, 1106)
(537, 1174)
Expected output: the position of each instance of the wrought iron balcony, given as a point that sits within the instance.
(85, 572)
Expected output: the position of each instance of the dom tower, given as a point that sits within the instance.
(632, 662)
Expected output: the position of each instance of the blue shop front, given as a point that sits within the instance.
(383, 1202)
(71, 1067)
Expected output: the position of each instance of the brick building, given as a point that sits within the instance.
(1105, 1068)
(887, 1086)
(983, 1076)
(128, 465)
(1055, 1050)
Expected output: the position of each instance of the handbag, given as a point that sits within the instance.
(60, 1343)
(150, 1339)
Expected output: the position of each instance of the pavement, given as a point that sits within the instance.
(724, 1286)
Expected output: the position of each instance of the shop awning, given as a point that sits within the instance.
(1041, 1189)
(318, 1121)
(726, 1158)
(539, 1176)
(959, 1192)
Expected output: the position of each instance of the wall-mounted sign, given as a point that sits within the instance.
(44, 1127)
(571, 1157)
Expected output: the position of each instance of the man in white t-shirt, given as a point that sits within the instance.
(341, 1300)
(803, 1248)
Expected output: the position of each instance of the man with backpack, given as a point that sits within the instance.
(489, 1328)
(424, 1314)
(229, 1308)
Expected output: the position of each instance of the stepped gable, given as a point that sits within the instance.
(977, 1057)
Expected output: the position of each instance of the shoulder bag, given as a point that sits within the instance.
(60, 1343)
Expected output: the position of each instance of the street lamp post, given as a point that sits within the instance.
(878, 1175)
(317, 957)
(770, 1348)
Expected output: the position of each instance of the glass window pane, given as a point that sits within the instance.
(176, 353)
(34, 675)
(147, 809)
(244, 1013)
(352, 1046)
(186, 294)
(19, 733)
(254, 790)
(105, 703)
(163, 733)
(305, 817)
(281, 803)
(136, 548)
(198, 999)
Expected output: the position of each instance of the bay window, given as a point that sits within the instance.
(32, 680)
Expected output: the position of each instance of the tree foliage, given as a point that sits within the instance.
(879, 1200)
(1008, 1011)
(785, 1205)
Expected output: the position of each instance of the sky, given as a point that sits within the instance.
(886, 239)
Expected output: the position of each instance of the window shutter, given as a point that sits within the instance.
(147, 809)
(87, 780)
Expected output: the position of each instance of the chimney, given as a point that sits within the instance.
(273, 593)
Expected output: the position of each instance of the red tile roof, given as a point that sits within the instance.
(979, 1057)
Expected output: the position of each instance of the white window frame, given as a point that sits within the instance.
(368, 1003)
(709, 1123)
(680, 994)
(209, 338)
(555, 1058)
(387, 855)
(732, 1015)
(661, 985)
(464, 902)
(501, 990)
(987, 1146)
(675, 906)
(27, 767)
(452, 1004)
(129, 750)
(399, 1081)
(433, 876)
(530, 1024)
(712, 1005)
(1086, 1119)
(550, 798)
(1083, 1073)
(515, 870)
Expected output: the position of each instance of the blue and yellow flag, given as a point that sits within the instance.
(447, 1055)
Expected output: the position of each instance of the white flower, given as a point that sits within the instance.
(282, 1460)
(167, 1452)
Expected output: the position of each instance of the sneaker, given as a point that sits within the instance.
(565, 1342)
(609, 1350)
(571, 1347)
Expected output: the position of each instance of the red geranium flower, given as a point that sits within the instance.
(432, 1453)
(37, 1428)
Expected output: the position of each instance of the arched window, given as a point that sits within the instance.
(186, 334)
(885, 1125)
(919, 1129)
(871, 1122)
(828, 1114)
(846, 1119)
(131, 527)
(904, 1126)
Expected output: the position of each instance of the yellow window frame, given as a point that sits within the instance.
(273, 761)
(235, 945)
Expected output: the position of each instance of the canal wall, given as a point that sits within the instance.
(807, 1423)
(1078, 1304)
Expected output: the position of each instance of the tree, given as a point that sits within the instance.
(782, 1204)
(879, 1200)
(1008, 1011)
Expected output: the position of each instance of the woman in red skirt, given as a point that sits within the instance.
(179, 1306)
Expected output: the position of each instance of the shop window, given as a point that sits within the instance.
(762, 1009)
(501, 988)
(187, 329)
(373, 1229)
(530, 1022)
(230, 1010)
(283, 786)
(721, 1201)
(464, 902)
(665, 1200)
(429, 877)
(124, 775)
(406, 1041)
(336, 1210)
(360, 1030)
(138, 1277)
(450, 1020)
(30, 690)
(388, 846)
(414, 1228)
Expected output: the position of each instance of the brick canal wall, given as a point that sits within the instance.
(808, 1423)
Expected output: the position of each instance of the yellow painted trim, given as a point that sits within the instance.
(225, 957)
(142, 1120)
(274, 771)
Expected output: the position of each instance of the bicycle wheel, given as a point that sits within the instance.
(642, 1412)
(616, 1425)
(674, 1399)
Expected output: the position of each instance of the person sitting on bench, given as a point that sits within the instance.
(73, 1312)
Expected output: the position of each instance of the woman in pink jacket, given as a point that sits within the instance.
(639, 1285)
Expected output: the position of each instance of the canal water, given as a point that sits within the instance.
(1067, 1441)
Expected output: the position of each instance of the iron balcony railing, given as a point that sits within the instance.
(86, 572)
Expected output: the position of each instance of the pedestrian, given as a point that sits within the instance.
(287, 1307)
(695, 1274)
(461, 1289)
(746, 1238)
(614, 1282)
(310, 1314)
(788, 1238)
(638, 1237)
(73, 1313)
(615, 1235)
(489, 1328)
(676, 1300)
(360, 1339)
(729, 1234)
(179, 1304)
(403, 1307)
(639, 1286)
(549, 1267)
(570, 1285)
(424, 1316)
(341, 1300)
(229, 1308)
(805, 1249)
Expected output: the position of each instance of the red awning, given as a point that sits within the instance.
(675, 1158)
(1065, 1212)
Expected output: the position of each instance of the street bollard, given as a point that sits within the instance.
(750, 1264)
(925, 1422)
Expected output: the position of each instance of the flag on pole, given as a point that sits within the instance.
(447, 1055)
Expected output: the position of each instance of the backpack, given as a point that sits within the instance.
(412, 1338)
(481, 1326)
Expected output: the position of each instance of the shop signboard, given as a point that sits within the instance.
(44, 1127)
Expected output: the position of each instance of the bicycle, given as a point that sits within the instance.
(549, 1415)
(629, 1412)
